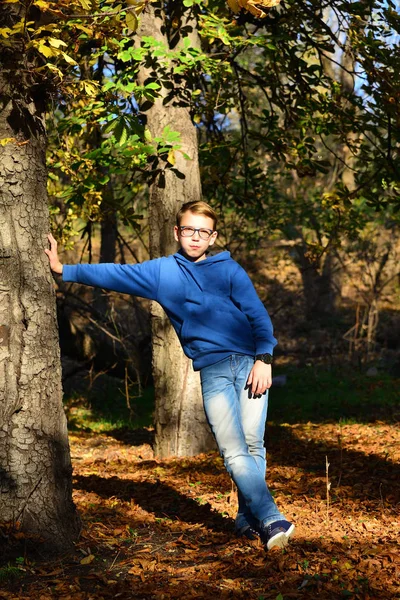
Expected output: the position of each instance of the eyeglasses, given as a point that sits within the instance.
(204, 234)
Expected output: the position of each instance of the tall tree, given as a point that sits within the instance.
(35, 467)
(180, 422)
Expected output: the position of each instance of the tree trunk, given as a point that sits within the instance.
(181, 427)
(108, 248)
(319, 293)
(35, 466)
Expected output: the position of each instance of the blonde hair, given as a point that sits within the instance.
(197, 207)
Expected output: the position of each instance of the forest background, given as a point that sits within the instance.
(296, 120)
(286, 119)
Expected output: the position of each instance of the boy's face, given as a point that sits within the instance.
(194, 246)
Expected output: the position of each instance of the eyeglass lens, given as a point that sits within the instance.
(190, 231)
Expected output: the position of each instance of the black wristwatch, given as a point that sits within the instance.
(268, 359)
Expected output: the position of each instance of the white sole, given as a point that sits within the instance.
(281, 539)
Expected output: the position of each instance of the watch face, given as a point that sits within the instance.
(266, 358)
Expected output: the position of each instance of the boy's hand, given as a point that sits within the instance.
(260, 378)
(55, 264)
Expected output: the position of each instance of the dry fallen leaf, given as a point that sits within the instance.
(88, 559)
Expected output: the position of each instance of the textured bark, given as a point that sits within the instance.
(181, 427)
(35, 467)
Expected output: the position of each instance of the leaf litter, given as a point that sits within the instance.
(163, 529)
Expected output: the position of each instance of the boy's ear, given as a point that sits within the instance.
(176, 232)
(213, 238)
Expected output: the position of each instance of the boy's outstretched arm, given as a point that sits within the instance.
(138, 279)
(55, 264)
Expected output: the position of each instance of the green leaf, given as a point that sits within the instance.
(152, 86)
(121, 131)
(111, 126)
(125, 56)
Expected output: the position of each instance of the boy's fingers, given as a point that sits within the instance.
(52, 240)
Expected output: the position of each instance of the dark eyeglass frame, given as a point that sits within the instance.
(207, 232)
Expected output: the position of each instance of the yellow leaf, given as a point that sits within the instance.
(233, 5)
(46, 50)
(132, 21)
(42, 4)
(68, 59)
(171, 157)
(56, 43)
(83, 28)
(85, 4)
(10, 1)
(90, 87)
(6, 141)
(147, 135)
(139, 5)
(87, 560)
(255, 7)
(5, 32)
(52, 68)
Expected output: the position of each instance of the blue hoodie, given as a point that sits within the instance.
(211, 304)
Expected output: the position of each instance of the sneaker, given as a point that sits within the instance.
(276, 534)
(248, 532)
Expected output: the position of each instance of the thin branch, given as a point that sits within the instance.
(259, 80)
(99, 15)
(322, 24)
(336, 155)
(125, 243)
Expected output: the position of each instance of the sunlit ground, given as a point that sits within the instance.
(163, 529)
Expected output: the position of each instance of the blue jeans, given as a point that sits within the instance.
(237, 421)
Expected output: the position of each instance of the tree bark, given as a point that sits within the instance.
(181, 427)
(35, 466)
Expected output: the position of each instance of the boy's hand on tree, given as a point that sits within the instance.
(55, 264)
(260, 378)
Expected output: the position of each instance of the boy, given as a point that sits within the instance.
(225, 329)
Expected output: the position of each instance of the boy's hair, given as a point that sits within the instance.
(197, 207)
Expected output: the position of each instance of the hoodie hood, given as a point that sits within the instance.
(210, 260)
(199, 275)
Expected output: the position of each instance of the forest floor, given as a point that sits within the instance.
(163, 529)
